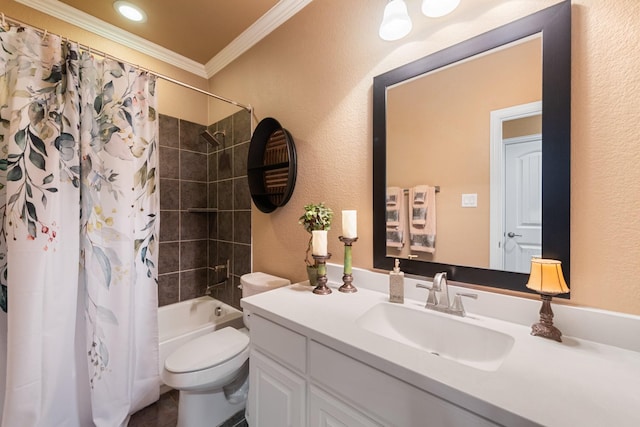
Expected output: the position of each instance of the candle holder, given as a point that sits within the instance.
(322, 288)
(347, 277)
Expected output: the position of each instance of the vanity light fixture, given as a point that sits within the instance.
(438, 8)
(130, 11)
(547, 279)
(396, 22)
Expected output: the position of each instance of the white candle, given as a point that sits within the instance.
(350, 224)
(319, 242)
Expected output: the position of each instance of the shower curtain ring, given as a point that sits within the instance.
(44, 35)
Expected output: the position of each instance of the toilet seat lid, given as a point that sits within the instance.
(207, 350)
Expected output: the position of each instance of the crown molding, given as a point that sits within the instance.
(271, 20)
(275, 17)
(97, 26)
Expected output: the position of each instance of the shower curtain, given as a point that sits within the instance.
(78, 242)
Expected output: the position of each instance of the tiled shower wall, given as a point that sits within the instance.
(230, 228)
(193, 174)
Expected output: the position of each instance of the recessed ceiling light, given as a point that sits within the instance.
(130, 11)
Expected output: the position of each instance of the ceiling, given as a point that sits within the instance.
(200, 36)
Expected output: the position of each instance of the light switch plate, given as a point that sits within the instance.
(470, 200)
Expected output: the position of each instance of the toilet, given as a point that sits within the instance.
(211, 372)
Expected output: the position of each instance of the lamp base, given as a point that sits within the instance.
(546, 331)
(545, 327)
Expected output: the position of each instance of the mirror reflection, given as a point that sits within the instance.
(473, 131)
(467, 175)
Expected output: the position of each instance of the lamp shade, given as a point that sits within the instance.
(438, 8)
(546, 277)
(396, 22)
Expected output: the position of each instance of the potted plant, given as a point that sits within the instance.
(315, 217)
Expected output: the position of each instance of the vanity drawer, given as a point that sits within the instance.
(279, 342)
(384, 398)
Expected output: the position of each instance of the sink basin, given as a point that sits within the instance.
(439, 334)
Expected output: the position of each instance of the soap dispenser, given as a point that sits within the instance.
(396, 284)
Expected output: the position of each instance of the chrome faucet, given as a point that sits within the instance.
(438, 296)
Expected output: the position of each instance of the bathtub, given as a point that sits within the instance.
(186, 320)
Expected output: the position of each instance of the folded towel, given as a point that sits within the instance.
(422, 223)
(395, 217)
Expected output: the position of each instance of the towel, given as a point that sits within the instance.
(422, 222)
(395, 217)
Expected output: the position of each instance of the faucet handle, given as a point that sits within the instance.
(431, 296)
(457, 307)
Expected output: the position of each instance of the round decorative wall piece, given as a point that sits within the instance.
(271, 165)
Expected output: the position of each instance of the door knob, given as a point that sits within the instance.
(512, 234)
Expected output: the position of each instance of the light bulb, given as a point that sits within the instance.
(396, 22)
(130, 11)
(438, 8)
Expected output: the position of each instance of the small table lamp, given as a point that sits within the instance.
(546, 278)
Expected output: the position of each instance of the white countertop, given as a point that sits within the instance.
(576, 382)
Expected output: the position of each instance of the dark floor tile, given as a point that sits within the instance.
(163, 413)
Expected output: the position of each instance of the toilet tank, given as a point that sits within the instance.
(255, 283)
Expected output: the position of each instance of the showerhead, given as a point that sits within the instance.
(213, 138)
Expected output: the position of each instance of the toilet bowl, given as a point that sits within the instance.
(211, 372)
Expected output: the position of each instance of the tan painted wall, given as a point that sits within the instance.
(173, 100)
(438, 133)
(314, 74)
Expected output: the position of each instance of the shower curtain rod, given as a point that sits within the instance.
(44, 33)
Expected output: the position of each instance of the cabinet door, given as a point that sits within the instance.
(326, 411)
(276, 395)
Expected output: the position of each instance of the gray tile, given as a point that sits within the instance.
(225, 195)
(193, 166)
(225, 163)
(193, 283)
(169, 258)
(169, 194)
(237, 293)
(212, 198)
(240, 153)
(169, 226)
(226, 125)
(193, 254)
(190, 138)
(241, 259)
(224, 292)
(225, 252)
(213, 252)
(242, 226)
(241, 126)
(241, 195)
(194, 226)
(193, 195)
(225, 226)
(213, 226)
(169, 163)
(163, 413)
(168, 132)
(212, 166)
(168, 286)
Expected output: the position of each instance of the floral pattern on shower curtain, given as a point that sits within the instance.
(79, 203)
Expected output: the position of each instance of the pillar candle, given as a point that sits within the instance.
(319, 242)
(350, 224)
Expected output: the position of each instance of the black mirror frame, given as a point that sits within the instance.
(555, 25)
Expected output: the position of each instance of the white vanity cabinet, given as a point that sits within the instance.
(297, 381)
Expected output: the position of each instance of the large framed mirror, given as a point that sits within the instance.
(458, 120)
